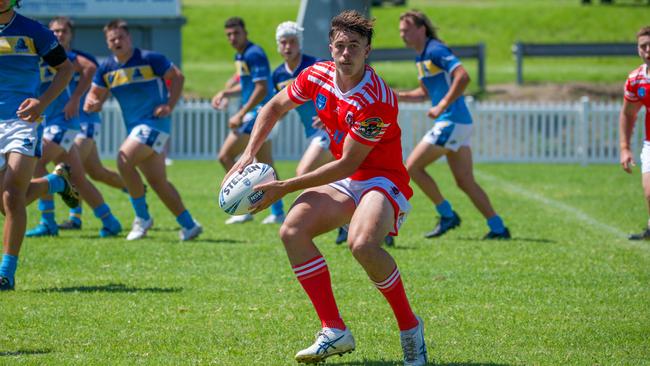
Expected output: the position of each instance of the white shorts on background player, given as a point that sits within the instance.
(356, 189)
(320, 138)
(61, 136)
(645, 157)
(89, 130)
(19, 136)
(149, 136)
(449, 135)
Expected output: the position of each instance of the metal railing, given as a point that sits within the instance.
(578, 132)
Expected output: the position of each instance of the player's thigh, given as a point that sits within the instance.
(461, 164)
(314, 157)
(51, 152)
(319, 210)
(153, 168)
(234, 144)
(85, 147)
(18, 171)
(424, 154)
(373, 219)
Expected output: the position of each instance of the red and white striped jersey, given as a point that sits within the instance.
(637, 90)
(367, 112)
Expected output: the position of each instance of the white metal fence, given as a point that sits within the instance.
(579, 132)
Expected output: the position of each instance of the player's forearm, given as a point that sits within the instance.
(175, 89)
(61, 79)
(268, 117)
(328, 173)
(258, 95)
(626, 126)
(456, 90)
(85, 81)
(414, 96)
(231, 91)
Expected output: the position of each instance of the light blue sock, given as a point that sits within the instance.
(185, 220)
(8, 267)
(496, 224)
(277, 208)
(47, 212)
(103, 212)
(56, 183)
(444, 209)
(75, 214)
(140, 207)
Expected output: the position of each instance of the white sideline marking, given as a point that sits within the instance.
(578, 214)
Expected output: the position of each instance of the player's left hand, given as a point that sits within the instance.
(273, 191)
(316, 122)
(71, 108)
(235, 121)
(30, 110)
(435, 111)
(162, 111)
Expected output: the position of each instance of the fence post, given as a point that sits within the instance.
(583, 120)
(518, 50)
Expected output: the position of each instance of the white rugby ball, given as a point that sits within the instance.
(237, 195)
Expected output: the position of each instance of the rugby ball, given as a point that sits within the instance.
(237, 195)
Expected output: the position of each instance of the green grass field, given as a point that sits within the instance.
(207, 57)
(569, 289)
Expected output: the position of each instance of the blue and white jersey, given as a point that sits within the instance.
(83, 116)
(54, 114)
(138, 86)
(282, 77)
(435, 66)
(251, 66)
(22, 44)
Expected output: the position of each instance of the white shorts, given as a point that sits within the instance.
(645, 157)
(149, 136)
(320, 138)
(89, 130)
(449, 135)
(19, 136)
(356, 189)
(61, 136)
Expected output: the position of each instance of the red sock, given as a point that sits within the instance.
(393, 290)
(314, 277)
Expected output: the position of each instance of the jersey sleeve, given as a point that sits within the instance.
(371, 123)
(258, 65)
(98, 79)
(44, 40)
(159, 63)
(442, 57)
(301, 89)
(629, 92)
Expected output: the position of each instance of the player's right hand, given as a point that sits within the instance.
(30, 110)
(627, 162)
(92, 105)
(219, 101)
(244, 160)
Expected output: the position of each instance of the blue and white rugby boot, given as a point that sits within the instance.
(444, 224)
(139, 228)
(329, 342)
(189, 234)
(413, 345)
(42, 229)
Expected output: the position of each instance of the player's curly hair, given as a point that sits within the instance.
(644, 31)
(352, 21)
(421, 20)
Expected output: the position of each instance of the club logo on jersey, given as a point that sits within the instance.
(21, 46)
(349, 118)
(321, 100)
(370, 128)
(641, 92)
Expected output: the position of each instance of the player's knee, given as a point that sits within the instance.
(465, 183)
(361, 247)
(290, 233)
(12, 199)
(413, 170)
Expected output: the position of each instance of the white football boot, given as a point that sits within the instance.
(329, 342)
(415, 350)
(273, 219)
(239, 219)
(189, 234)
(139, 228)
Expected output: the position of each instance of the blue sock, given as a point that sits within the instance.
(496, 224)
(56, 183)
(103, 212)
(8, 267)
(185, 220)
(47, 212)
(277, 208)
(444, 209)
(140, 207)
(75, 214)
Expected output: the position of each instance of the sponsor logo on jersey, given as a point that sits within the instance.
(371, 127)
(321, 101)
(28, 143)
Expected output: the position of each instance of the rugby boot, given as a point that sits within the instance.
(444, 224)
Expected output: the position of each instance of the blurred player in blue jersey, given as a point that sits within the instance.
(89, 122)
(137, 80)
(255, 88)
(443, 80)
(23, 42)
(61, 128)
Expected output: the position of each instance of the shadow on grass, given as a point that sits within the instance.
(112, 287)
(218, 241)
(25, 352)
(513, 239)
(400, 362)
